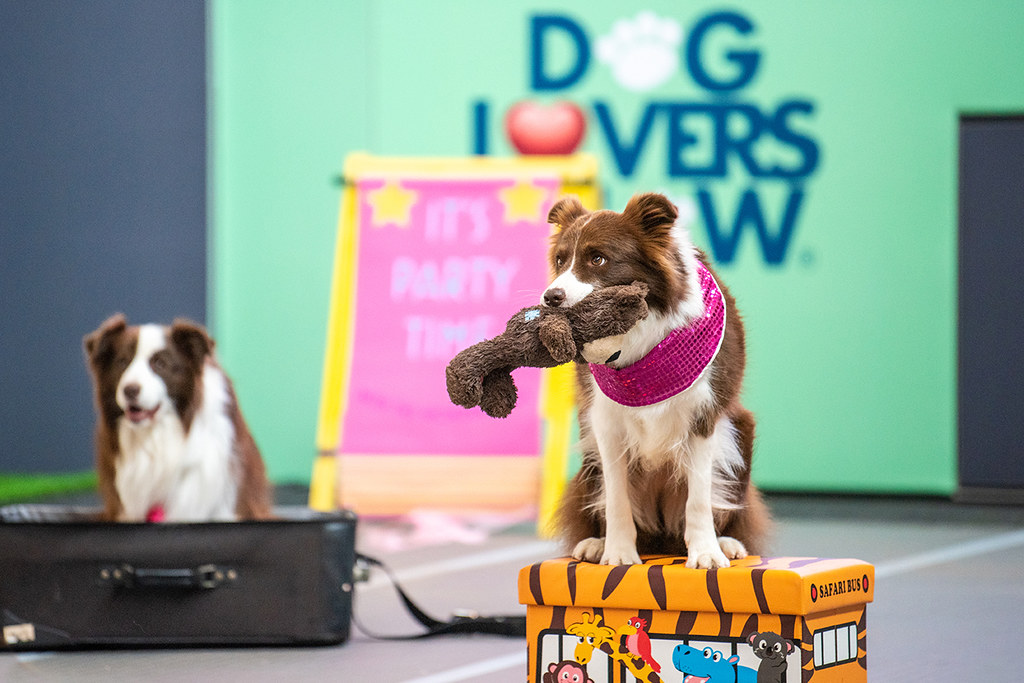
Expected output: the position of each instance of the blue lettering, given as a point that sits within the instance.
(754, 124)
(746, 60)
(773, 247)
(540, 28)
(679, 139)
(732, 130)
(719, 138)
(480, 111)
(626, 154)
(808, 148)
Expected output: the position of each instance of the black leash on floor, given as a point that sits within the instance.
(508, 625)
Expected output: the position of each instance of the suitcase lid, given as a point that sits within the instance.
(764, 585)
(41, 513)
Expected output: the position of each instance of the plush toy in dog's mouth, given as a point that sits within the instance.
(139, 414)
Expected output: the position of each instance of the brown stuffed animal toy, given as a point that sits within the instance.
(543, 337)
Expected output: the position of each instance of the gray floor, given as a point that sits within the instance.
(948, 603)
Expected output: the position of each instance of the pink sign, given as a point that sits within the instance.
(441, 265)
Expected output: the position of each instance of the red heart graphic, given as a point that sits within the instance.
(533, 128)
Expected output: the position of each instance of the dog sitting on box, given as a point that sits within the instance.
(667, 443)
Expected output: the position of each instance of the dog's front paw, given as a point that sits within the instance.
(706, 556)
(620, 553)
(598, 550)
(732, 548)
(589, 550)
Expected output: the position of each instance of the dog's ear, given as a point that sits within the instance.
(97, 344)
(192, 340)
(652, 212)
(565, 211)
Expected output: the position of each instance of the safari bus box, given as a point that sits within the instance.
(777, 619)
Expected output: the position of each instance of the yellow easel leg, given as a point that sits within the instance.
(558, 399)
(322, 485)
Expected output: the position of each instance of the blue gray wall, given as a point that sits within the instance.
(102, 200)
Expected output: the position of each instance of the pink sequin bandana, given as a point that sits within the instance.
(676, 362)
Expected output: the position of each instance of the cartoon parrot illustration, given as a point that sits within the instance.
(638, 642)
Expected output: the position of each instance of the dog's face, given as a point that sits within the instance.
(598, 249)
(142, 372)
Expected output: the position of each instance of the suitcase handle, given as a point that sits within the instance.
(206, 577)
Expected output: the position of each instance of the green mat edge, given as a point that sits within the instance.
(16, 488)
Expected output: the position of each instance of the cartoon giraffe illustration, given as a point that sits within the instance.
(593, 634)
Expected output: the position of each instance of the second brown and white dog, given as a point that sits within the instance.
(171, 443)
(667, 445)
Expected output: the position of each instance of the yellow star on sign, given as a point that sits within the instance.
(391, 204)
(523, 201)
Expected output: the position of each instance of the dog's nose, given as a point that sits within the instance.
(131, 391)
(554, 297)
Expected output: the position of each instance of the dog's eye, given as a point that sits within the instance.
(598, 260)
(158, 363)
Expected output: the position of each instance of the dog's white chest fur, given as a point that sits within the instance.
(190, 475)
(660, 434)
(652, 432)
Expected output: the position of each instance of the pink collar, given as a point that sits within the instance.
(676, 362)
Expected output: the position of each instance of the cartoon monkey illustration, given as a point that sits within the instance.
(566, 671)
(772, 650)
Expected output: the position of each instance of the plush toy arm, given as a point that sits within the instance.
(556, 335)
(465, 373)
(464, 382)
(481, 374)
(499, 393)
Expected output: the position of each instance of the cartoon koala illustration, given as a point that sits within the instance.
(772, 650)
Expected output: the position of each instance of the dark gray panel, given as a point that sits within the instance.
(991, 303)
(102, 199)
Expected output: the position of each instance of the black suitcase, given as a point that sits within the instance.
(70, 581)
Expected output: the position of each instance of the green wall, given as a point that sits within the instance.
(288, 102)
(851, 321)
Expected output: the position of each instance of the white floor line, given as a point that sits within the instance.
(459, 564)
(950, 553)
(515, 660)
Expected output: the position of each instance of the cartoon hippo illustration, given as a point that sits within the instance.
(710, 666)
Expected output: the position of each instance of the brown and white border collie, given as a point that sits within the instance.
(666, 443)
(171, 443)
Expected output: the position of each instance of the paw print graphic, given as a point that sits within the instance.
(642, 52)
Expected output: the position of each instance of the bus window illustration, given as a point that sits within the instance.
(835, 645)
